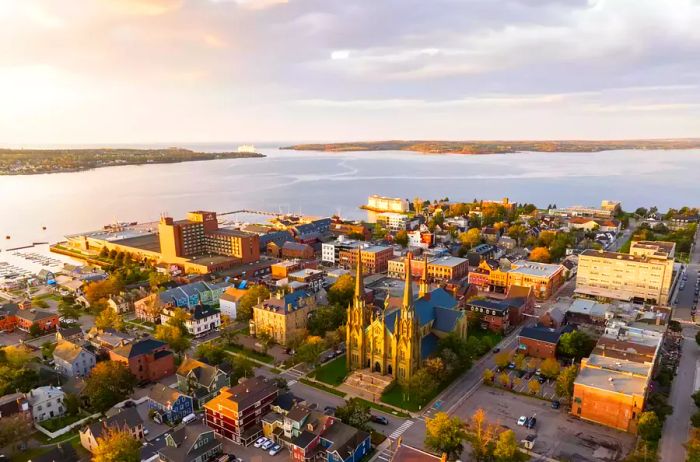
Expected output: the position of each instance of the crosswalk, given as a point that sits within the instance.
(387, 454)
(402, 428)
(293, 375)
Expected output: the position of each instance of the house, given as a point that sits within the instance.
(73, 334)
(121, 303)
(62, 452)
(72, 359)
(297, 250)
(190, 443)
(187, 296)
(313, 278)
(200, 380)
(149, 360)
(127, 419)
(554, 318)
(202, 320)
(228, 301)
(283, 316)
(14, 403)
(405, 453)
(28, 318)
(107, 339)
(236, 412)
(46, 402)
(540, 342)
(169, 404)
(8, 320)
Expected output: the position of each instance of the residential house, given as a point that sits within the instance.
(107, 339)
(297, 250)
(553, 318)
(45, 320)
(62, 452)
(46, 403)
(202, 320)
(8, 320)
(73, 359)
(14, 403)
(200, 380)
(73, 334)
(313, 278)
(228, 301)
(283, 316)
(190, 443)
(127, 420)
(236, 412)
(187, 296)
(169, 404)
(149, 360)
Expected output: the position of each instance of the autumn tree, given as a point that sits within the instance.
(173, 336)
(540, 254)
(502, 359)
(109, 382)
(355, 413)
(422, 384)
(550, 368)
(178, 318)
(533, 386)
(211, 353)
(470, 238)
(649, 426)
(310, 351)
(506, 448)
(488, 376)
(253, 296)
(98, 292)
(117, 446)
(153, 307)
(341, 292)
(481, 436)
(445, 434)
(401, 238)
(109, 318)
(565, 381)
(503, 379)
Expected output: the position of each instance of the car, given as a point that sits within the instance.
(274, 450)
(528, 376)
(380, 419)
(496, 350)
(555, 404)
(329, 410)
(145, 431)
(522, 420)
(189, 418)
(267, 445)
(511, 365)
(531, 422)
(542, 379)
(259, 442)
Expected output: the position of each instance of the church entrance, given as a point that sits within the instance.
(377, 367)
(389, 370)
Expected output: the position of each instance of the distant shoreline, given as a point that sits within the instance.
(498, 147)
(43, 161)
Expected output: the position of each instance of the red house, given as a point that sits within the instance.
(149, 360)
(236, 413)
(45, 320)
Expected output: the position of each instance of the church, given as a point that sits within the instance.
(395, 341)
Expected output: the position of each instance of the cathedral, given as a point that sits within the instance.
(395, 341)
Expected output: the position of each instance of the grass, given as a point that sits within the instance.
(34, 453)
(395, 396)
(322, 387)
(482, 334)
(59, 422)
(333, 372)
(263, 357)
(386, 409)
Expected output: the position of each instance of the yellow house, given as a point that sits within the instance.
(283, 316)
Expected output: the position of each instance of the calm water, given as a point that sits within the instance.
(322, 184)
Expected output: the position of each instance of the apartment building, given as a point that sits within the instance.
(643, 276)
(543, 278)
(375, 258)
(330, 251)
(439, 268)
(283, 316)
(393, 221)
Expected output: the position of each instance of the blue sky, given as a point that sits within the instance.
(144, 71)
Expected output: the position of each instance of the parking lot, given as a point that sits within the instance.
(519, 383)
(559, 435)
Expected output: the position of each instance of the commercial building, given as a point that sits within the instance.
(541, 342)
(439, 268)
(594, 224)
(330, 251)
(281, 270)
(375, 258)
(606, 211)
(543, 278)
(344, 228)
(393, 221)
(500, 315)
(236, 412)
(312, 278)
(378, 203)
(643, 276)
(149, 360)
(283, 316)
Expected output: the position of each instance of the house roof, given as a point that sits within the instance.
(344, 439)
(242, 396)
(184, 438)
(544, 334)
(62, 452)
(233, 294)
(139, 348)
(204, 373)
(34, 315)
(428, 345)
(410, 454)
(128, 417)
(69, 331)
(67, 351)
(203, 312)
(163, 395)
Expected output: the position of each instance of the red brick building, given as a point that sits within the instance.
(236, 413)
(45, 320)
(149, 360)
(297, 250)
(8, 320)
(540, 342)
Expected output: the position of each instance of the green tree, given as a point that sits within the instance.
(697, 338)
(310, 351)
(565, 382)
(178, 319)
(14, 429)
(69, 309)
(470, 238)
(229, 333)
(422, 385)
(341, 292)
(265, 339)
(649, 426)
(326, 318)
(550, 368)
(173, 336)
(117, 446)
(401, 238)
(109, 382)
(35, 330)
(109, 318)
(39, 302)
(72, 403)
(696, 398)
(156, 279)
(576, 344)
(506, 449)
(695, 419)
(445, 434)
(47, 349)
(355, 413)
(211, 353)
(254, 295)
(241, 367)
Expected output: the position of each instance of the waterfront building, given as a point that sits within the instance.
(378, 203)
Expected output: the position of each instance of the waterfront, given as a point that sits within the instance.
(323, 184)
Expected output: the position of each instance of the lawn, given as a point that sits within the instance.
(250, 353)
(383, 408)
(481, 334)
(59, 422)
(322, 387)
(33, 453)
(333, 372)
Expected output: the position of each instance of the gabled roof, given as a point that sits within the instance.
(446, 318)
(204, 373)
(67, 351)
(180, 443)
(62, 452)
(544, 334)
(139, 348)
(428, 345)
(164, 395)
(34, 315)
(126, 418)
(203, 312)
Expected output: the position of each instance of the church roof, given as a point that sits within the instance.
(428, 344)
(439, 306)
(446, 318)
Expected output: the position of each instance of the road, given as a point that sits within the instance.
(687, 380)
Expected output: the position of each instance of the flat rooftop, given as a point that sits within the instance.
(612, 381)
(124, 232)
(448, 261)
(618, 256)
(375, 248)
(620, 365)
(536, 269)
(149, 242)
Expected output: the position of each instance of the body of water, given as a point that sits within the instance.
(324, 184)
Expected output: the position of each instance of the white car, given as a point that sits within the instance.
(522, 420)
(259, 442)
(267, 445)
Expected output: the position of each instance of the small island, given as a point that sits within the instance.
(499, 147)
(36, 161)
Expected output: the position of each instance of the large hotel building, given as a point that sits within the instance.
(644, 275)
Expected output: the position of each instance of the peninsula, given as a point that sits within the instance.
(35, 161)
(499, 147)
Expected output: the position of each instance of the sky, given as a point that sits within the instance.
(185, 71)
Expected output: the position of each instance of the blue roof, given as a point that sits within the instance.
(425, 306)
(294, 298)
(446, 318)
(428, 345)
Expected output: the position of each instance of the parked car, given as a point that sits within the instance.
(267, 445)
(542, 379)
(555, 404)
(522, 420)
(329, 410)
(274, 450)
(380, 419)
(259, 442)
(531, 422)
(496, 350)
(511, 365)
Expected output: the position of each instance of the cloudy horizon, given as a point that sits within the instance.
(194, 71)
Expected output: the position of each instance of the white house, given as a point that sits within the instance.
(46, 403)
(203, 319)
(72, 359)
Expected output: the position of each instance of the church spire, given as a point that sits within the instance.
(424, 288)
(359, 282)
(408, 289)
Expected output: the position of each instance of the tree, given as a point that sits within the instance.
(117, 446)
(35, 330)
(488, 376)
(109, 318)
(68, 309)
(550, 368)
(502, 359)
(178, 319)
(693, 447)
(470, 238)
(211, 353)
(533, 386)
(109, 383)
(47, 349)
(503, 379)
(445, 434)
(401, 238)
(355, 413)
(649, 426)
(265, 339)
(695, 419)
(540, 254)
(242, 367)
(173, 336)
(341, 292)
(519, 361)
(39, 302)
(15, 429)
(481, 436)
(435, 366)
(576, 344)
(506, 449)
(696, 398)
(333, 339)
(72, 403)
(101, 290)
(16, 356)
(326, 318)
(565, 381)
(254, 295)
(422, 385)
(228, 330)
(310, 351)
(153, 307)
(156, 279)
